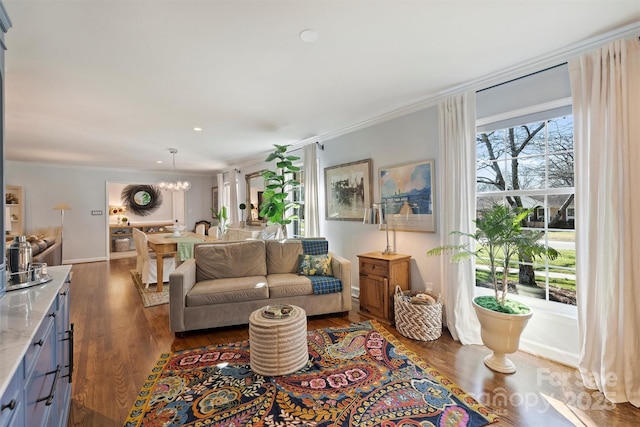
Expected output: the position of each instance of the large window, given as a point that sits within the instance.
(298, 197)
(530, 164)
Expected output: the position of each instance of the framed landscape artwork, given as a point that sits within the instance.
(406, 192)
(348, 190)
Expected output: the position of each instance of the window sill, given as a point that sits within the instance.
(570, 312)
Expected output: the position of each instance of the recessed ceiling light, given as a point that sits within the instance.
(309, 35)
(197, 129)
(159, 162)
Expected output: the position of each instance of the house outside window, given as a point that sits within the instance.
(530, 164)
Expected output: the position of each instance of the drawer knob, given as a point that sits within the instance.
(10, 406)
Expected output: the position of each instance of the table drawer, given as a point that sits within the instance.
(373, 267)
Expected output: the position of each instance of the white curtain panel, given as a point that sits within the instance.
(221, 191)
(605, 86)
(310, 179)
(233, 208)
(457, 118)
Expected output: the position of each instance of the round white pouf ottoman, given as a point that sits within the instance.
(278, 345)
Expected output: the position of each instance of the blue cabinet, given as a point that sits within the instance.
(37, 392)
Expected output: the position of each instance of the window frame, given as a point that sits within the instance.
(532, 114)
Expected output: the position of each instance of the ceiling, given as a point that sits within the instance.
(117, 83)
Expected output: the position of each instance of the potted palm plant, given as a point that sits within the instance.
(499, 237)
(278, 184)
(242, 207)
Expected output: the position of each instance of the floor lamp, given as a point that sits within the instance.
(376, 215)
(61, 207)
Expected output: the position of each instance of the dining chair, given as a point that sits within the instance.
(200, 229)
(146, 266)
(213, 232)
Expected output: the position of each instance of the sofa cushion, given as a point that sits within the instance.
(222, 291)
(288, 285)
(228, 260)
(315, 265)
(315, 247)
(38, 246)
(282, 256)
(50, 240)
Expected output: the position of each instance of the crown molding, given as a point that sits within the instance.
(530, 66)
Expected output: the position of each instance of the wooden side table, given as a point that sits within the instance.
(379, 275)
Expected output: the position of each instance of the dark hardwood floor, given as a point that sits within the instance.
(117, 342)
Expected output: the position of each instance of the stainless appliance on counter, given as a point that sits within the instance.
(22, 272)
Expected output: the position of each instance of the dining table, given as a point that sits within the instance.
(165, 244)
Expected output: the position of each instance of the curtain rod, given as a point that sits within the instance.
(320, 146)
(522, 77)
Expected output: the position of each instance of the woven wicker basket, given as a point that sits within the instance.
(417, 321)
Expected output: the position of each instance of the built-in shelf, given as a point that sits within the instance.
(15, 210)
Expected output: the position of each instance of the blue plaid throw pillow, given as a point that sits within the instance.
(325, 284)
(315, 247)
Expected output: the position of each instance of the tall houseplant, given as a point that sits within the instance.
(278, 185)
(499, 237)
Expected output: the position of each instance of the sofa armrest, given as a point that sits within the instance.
(181, 280)
(342, 270)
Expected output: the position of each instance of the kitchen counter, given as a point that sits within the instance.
(21, 313)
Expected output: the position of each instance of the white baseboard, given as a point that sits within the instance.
(557, 355)
(83, 260)
(355, 292)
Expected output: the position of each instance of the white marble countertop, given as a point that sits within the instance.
(21, 312)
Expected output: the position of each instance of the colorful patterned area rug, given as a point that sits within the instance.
(356, 376)
(150, 296)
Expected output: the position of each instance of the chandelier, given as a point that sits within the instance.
(172, 185)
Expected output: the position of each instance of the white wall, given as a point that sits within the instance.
(164, 213)
(402, 140)
(85, 190)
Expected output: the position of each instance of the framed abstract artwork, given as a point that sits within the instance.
(348, 190)
(407, 194)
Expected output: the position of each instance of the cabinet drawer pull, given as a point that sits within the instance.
(53, 314)
(52, 392)
(38, 343)
(69, 340)
(10, 406)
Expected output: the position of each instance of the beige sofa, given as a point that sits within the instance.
(226, 281)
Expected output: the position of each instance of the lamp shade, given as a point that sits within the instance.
(62, 207)
(373, 215)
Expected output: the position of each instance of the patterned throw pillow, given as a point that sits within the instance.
(315, 265)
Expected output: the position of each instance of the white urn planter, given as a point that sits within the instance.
(501, 334)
